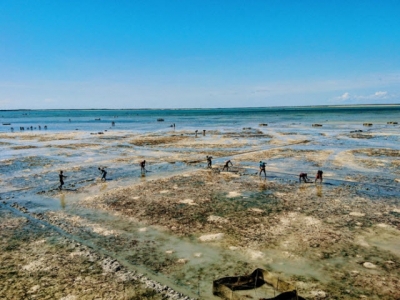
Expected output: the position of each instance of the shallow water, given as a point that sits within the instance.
(192, 119)
(31, 160)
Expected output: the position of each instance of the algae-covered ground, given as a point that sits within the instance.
(39, 263)
(183, 225)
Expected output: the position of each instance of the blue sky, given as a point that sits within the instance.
(182, 54)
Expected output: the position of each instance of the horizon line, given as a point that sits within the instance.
(198, 108)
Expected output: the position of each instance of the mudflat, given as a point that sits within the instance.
(171, 231)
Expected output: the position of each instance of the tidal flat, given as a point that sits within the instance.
(171, 231)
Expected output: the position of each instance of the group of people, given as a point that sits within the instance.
(226, 165)
(302, 176)
(62, 176)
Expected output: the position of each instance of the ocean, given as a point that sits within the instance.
(145, 120)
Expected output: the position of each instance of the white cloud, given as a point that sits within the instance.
(344, 97)
(199, 93)
(380, 95)
(376, 97)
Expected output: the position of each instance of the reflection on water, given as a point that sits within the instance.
(143, 177)
(62, 200)
(319, 190)
(302, 188)
(263, 184)
(103, 186)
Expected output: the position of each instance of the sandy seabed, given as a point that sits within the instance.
(183, 225)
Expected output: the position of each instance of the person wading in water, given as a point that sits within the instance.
(103, 173)
(61, 180)
(143, 166)
(227, 165)
(209, 162)
(319, 176)
(303, 176)
(262, 169)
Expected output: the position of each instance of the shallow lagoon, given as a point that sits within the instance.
(316, 236)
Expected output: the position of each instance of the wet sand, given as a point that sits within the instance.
(183, 225)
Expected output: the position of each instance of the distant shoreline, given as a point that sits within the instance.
(211, 108)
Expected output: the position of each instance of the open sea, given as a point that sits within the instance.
(145, 120)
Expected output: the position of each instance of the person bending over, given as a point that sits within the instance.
(103, 174)
(227, 165)
(319, 176)
(303, 176)
(143, 166)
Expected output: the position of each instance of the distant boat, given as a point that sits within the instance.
(6, 123)
(160, 120)
(97, 119)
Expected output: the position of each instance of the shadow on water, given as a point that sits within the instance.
(319, 190)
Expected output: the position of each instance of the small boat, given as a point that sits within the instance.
(6, 123)
(160, 120)
(97, 119)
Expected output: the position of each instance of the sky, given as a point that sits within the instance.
(198, 54)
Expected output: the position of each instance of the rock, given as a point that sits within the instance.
(356, 214)
(69, 297)
(262, 124)
(354, 273)
(110, 265)
(34, 289)
(182, 261)
(211, 237)
(369, 265)
(233, 194)
(319, 294)
(216, 219)
(256, 210)
(188, 202)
